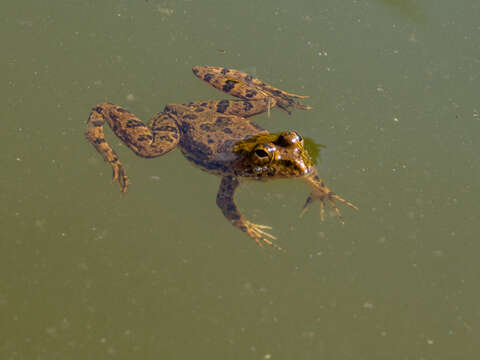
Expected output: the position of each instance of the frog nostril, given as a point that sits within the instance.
(299, 137)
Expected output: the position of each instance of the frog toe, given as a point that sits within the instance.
(327, 198)
(261, 237)
(120, 175)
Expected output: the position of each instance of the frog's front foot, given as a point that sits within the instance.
(257, 232)
(120, 175)
(325, 196)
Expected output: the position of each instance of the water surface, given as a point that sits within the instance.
(159, 273)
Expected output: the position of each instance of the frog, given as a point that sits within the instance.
(219, 137)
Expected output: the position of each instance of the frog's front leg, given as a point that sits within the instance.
(226, 203)
(324, 195)
(158, 138)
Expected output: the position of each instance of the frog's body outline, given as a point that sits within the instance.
(218, 136)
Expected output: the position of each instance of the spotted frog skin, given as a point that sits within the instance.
(218, 136)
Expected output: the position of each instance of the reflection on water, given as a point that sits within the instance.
(314, 149)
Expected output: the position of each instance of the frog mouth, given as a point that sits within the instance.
(292, 168)
(299, 168)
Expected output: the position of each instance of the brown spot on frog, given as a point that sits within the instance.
(218, 136)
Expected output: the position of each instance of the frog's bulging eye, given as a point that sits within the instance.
(261, 153)
(289, 138)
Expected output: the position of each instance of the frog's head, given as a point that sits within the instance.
(273, 155)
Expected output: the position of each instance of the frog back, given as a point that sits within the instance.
(208, 140)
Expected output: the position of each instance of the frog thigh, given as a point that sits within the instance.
(159, 137)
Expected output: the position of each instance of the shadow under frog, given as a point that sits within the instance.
(218, 136)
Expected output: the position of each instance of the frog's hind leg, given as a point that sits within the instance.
(158, 138)
(242, 108)
(245, 86)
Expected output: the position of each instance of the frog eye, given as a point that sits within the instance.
(261, 153)
(289, 138)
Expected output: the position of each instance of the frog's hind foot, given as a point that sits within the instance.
(286, 100)
(296, 96)
(257, 232)
(119, 174)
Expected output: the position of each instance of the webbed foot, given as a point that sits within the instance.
(325, 198)
(257, 232)
(120, 175)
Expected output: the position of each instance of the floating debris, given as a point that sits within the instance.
(165, 11)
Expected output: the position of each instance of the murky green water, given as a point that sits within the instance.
(159, 273)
